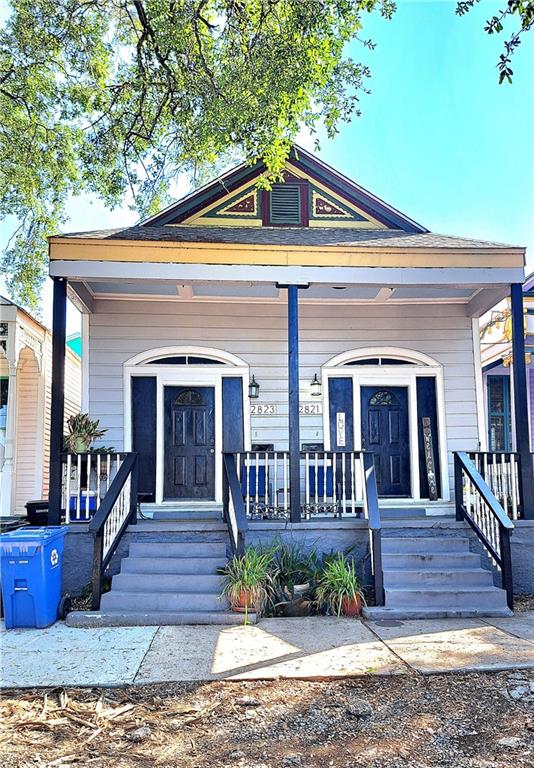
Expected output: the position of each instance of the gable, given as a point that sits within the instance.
(311, 195)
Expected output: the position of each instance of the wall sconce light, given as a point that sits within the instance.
(253, 389)
(316, 387)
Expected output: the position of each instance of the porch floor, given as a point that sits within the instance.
(311, 648)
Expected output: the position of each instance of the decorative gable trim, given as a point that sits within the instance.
(367, 211)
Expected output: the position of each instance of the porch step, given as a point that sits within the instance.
(166, 582)
(436, 576)
(163, 582)
(382, 613)
(156, 549)
(401, 513)
(85, 619)
(445, 560)
(178, 565)
(179, 515)
(177, 602)
(464, 598)
(424, 545)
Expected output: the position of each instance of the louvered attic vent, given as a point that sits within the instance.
(285, 204)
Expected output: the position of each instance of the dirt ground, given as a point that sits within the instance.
(465, 721)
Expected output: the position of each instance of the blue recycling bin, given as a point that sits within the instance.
(31, 565)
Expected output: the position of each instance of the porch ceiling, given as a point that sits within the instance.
(477, 298)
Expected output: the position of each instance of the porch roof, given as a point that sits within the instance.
(327, 237)
(189, 262)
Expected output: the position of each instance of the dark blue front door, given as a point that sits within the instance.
(189, 444)
(385, 434)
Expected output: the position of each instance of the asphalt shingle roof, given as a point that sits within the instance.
(311, 236)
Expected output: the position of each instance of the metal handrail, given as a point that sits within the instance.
(497, 546)
(117, 510)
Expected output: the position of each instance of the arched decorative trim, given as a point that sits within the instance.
(22, 351)
(218, 355)
(398, 353)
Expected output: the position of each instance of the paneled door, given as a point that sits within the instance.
(385, 434)
(189, 443)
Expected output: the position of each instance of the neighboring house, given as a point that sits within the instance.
(497, 365)
(247, 345)
(25, 381)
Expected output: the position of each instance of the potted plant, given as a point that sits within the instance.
(247, 580)
(338, 587)
(295, 567)
(82, 432)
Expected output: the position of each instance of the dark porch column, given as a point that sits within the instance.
(294, 419)
(59, 321)
(521, 402)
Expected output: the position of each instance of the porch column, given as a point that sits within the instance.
(521, 401)
(57, 411)
(293, 393)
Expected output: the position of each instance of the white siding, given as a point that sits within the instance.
(257, 332)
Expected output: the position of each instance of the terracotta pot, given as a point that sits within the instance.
(351, 606)
(245, 599)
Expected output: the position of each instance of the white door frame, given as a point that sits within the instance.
(185, 375)
(392, 376)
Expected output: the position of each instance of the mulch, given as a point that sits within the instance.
(444, 721)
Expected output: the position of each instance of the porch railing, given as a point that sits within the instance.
(477, 504)
(86, 478)
(256, 486)
(502, 471)
(331, 483)
(117, 510)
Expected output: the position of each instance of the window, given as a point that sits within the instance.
(379, 361)
(188, 397)
(186, 360)
(286, 205)
(383, 398)
(499, 413)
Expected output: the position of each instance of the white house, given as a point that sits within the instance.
(290, 328)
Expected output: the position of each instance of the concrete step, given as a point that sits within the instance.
(438, 611)
(157, 549)
(148, 602)
(166, 582)
(427, 598)
(424, 544)
(179, 565)
(401, 513)
(178, 514)
(85, 619)
(437, 577)
(417, 561)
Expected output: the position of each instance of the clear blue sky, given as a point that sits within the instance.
(438, 138)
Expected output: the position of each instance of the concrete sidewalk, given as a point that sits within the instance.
(309, 648)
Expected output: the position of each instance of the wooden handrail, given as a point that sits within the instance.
(101, 559)
(375, 524)
(237, 522)
(498, 550)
